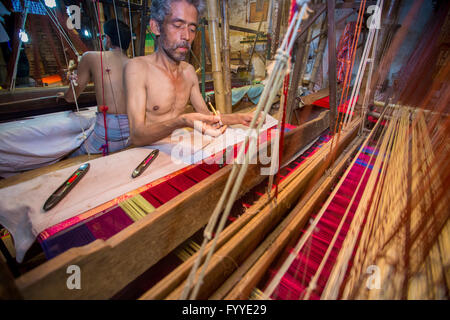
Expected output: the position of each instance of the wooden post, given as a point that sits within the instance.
(143, 29)
(276, 36)
(305, 54)
(214, 41)
(269, 30)
(318, 55)
(300, 62)
(292, 93)
(226, 57)
(332, 63)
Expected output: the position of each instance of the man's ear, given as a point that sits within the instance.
(108, 41)
(154, 27)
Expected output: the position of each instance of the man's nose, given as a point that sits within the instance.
(185, 35)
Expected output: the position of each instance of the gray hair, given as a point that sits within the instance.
(161, 8)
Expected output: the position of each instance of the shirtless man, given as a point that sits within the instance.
(159, 86)
(110, 93)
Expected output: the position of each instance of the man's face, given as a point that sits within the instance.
(178, 30)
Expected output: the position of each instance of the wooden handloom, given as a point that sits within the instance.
(121, 257)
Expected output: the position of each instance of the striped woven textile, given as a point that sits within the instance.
(343, 59)
(110, 221)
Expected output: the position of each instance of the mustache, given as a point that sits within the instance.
(183, 44)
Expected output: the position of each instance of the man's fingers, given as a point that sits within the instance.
(214, 132)
(210, 119)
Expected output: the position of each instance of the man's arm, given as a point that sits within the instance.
(142, 133)
(83, 77)
(200, 106)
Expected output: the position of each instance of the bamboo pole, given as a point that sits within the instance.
(203, 58)
(278, 13)
(214, 36)
(269, 29)
(226, 56)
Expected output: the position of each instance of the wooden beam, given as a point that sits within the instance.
(332, 63)
(319, 10)
(30, 102)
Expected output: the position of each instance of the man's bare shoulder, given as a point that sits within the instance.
(187, 67)
(188, 70)
(88, 57)
(137, 64)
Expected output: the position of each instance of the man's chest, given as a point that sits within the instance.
(166, 93)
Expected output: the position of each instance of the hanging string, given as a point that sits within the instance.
(61, 30)
(62, 35)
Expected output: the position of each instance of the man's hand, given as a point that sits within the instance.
(207, 124)
(240, 118)
(59, 95)
(73, 77)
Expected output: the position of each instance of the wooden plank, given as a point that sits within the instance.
(309, 131)
(108, 266)
(310, 98)
(8, 289)
(24, 103)
(227, 258)
(250, 273)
